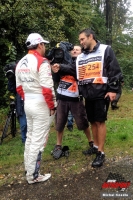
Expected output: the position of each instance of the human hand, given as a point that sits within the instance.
(55, 68)
(111, 95)
(52, 112)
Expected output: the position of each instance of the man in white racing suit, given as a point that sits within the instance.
(35, 85)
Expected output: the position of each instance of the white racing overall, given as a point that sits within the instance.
(34, 83)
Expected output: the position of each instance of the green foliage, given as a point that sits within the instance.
(127, 69)
(11, 54)
(55, 20)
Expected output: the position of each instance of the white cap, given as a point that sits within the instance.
(34, 39)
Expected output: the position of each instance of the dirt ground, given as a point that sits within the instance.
(85, 185)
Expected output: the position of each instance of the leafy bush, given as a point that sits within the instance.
(127, 70)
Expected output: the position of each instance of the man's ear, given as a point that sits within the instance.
(90, 36)
(39, 46)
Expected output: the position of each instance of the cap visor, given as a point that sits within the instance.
(46, 42)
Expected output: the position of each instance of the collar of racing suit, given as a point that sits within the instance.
(34, 52)
(87, 51)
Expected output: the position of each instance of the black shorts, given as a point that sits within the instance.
(97, 110)
(78, 111)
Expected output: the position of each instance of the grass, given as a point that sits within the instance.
(119, 141)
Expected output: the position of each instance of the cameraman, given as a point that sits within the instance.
(74, 53)
(68, 99)
(10, 74)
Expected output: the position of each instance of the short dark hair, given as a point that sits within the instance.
(87, 32)
(32, 47)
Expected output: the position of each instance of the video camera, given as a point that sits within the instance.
(9, 70)
(60, 53)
